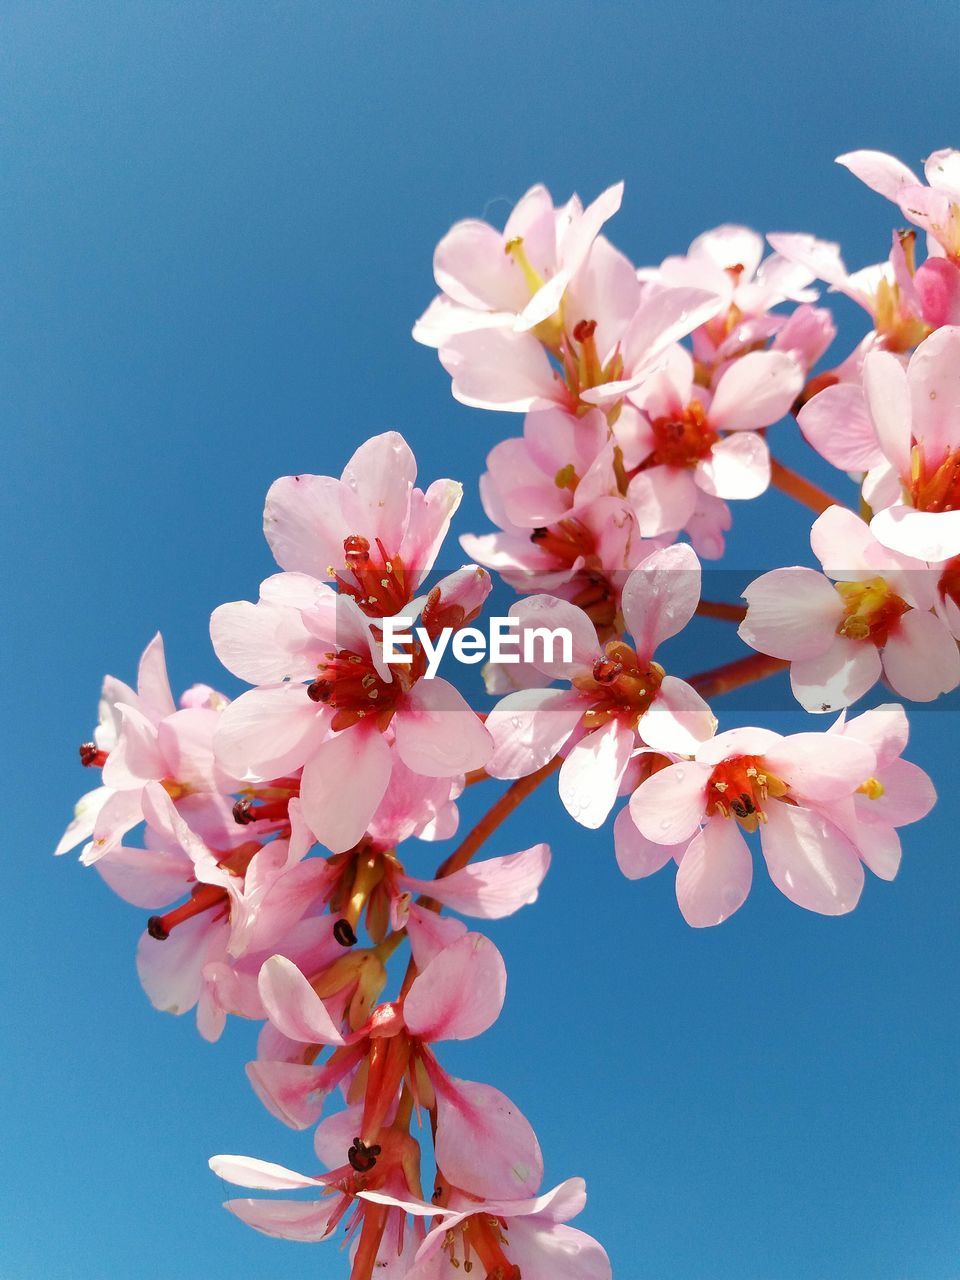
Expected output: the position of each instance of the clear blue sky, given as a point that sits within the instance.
(217, 228)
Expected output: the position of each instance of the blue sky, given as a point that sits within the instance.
(218, 222)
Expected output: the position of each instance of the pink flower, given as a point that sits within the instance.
(354, 717)
(726, 262)
(693, 439)
(618, 696)
(245, 903)
(517, 279)
(142, 737)
(935, 208)
(372, 1205)
(904, 301)
(749, 780)
(511, 1238)
(898, 793)
(372, 530)
(916, 415)
(296, 1091)
(873, 617)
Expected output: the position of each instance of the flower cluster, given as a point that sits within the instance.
(279, 831)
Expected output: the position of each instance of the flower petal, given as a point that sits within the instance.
(714, 877)
(460, 992)
(810, 860)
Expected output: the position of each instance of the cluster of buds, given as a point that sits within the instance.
(279, 829)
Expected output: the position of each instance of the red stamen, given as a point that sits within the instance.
(204, 898)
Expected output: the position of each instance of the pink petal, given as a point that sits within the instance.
(678, 720)
(293, 1006)
(663, 499)
(662, 319)
(934, 377)
(714, 877)
(908, 795)
(84, 819)
(846, 547)
(306, 1220)
(269, 732)
(837, 424)
(147, 878)
(171, 971)
(738, 467)
(590, 776)
(471, 267)
(430, 515)
(529, 727)
(730, 246)
(669, 807)
(836, 678)
(555, 1252)
(153, 684)
(186, 744)
(880, 172)
(748, 741)
(245, 1171)
(438, 735)
(661, 596)
(636, 855)
(376, 486)
(810, 860)
(136, 758)
(460, 992)
(920, 659)
(303, 524)
(820, 767)
(263, 643)
(884, 728)
(557, 616)
(498, 369)
(119, 812)
(294, 1092)
(484, 1144)
(887, 396)
(938, 286)
(880, 849)
(933, 536)
(430, 933)
(342, 784)
(578, 239)
(490, 889)
(791, 613)
(755, 391)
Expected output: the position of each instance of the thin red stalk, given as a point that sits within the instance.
(802, 490)
(734, 675)
(720, 609)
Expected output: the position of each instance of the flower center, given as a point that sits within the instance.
(739, 788)
(482, 1237)
(871, 610)
(379, 583)
(934, 488)
(682, 440)
(566, 542)
(351, 684)
(620, 686)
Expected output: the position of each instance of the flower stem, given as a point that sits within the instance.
(498, 812)
(720, 609)
(734, 675)
(798, 487)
